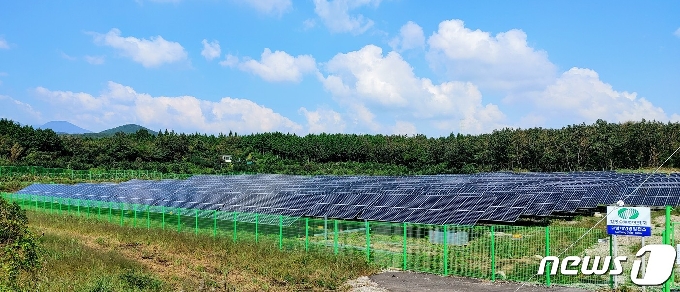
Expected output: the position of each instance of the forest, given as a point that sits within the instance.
(582, 147)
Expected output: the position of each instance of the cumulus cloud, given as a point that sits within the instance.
(275, 66)
(335, 15)
(276, 7)
(120, 104)
(211, 50)
(16, 110)
(323, 120)
(404, 128)
(309, 23)
(410, 36)
(365, 81)
(68, 57)
(148, 52)
(503, 62)
(95, 60)
(580, 96)
(3, 44)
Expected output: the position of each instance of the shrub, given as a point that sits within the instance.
(19, 250)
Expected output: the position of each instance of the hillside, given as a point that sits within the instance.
(126, 129)
(64, 127)
(599, 146)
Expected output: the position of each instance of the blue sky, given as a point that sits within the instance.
(350, 66)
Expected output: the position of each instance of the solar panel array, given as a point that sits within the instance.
(431, 199)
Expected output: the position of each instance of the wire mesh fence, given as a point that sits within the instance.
(12, 172)
(496, 252)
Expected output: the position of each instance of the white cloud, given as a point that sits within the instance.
(309, 23)
(677, 32)
(404, 128)
(211, 50)
(3, 44)
(120, 104)
(277, 7)
(95, 60)
(276, 66)
(365, 82)
(19, 111)
(150, 53)
(323, 121)
(503, 62)
(335, 15)
(67, 57)
(580, 96)
(229, 61)
(410, 37)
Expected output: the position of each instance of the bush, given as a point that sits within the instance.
(19, 251)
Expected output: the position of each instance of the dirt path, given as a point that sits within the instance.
(407, 282)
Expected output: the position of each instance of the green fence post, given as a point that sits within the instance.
(446, 251)
(666, 238)
(148, 219)
(547, 253)
(134, 221)
(256, 225)
(306, 234)
(280, 231)
(110, 212)
(405, 250)
(493, 254)
(235, 214)
(368, 241)
(78, 206)
(99, 216)
(335, 236)
(178, 220)
(36, 203)
(51, 205)
(196, 232)
(214, 223)
(163, 219)
(121, 214)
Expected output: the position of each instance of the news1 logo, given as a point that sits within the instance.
(658, 269)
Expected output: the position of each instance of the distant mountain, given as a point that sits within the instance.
(127, 129)
(64, 127)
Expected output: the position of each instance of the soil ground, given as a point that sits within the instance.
(407, 282)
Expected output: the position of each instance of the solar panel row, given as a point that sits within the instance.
(431, 199)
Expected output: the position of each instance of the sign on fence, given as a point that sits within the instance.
(634, 221)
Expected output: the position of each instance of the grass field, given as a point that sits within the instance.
(83, 254)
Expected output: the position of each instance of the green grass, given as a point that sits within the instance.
(83, 254)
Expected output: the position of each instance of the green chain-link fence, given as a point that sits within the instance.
(89, 175)
(496, 252)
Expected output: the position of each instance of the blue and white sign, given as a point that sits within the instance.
(634, 221)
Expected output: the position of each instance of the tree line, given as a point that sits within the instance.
(582, 147)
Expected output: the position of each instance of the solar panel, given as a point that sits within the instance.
(430, 199)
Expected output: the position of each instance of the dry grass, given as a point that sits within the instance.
(89, 255)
